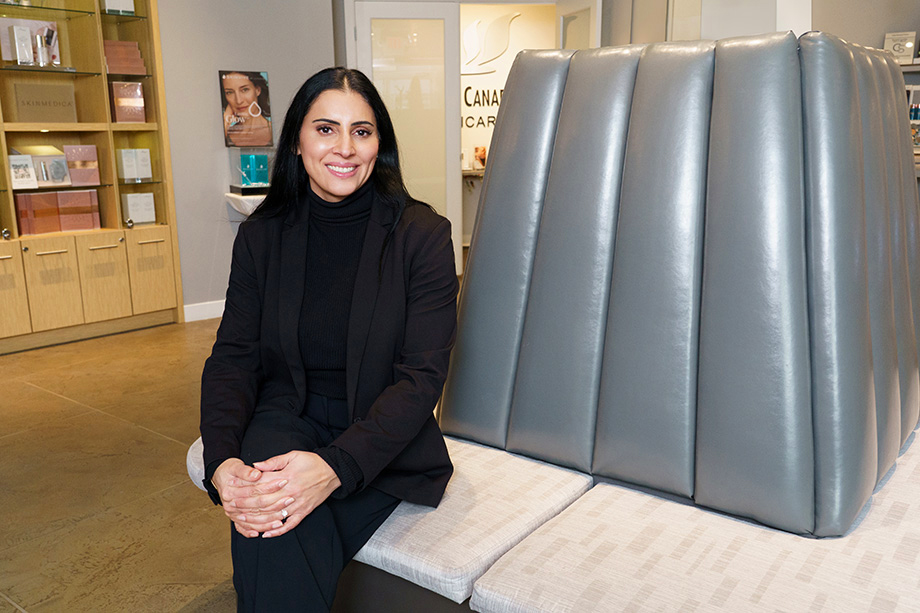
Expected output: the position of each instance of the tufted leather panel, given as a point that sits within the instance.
(776, 378)
(846, 443)
(754, 437)
(477, 395)
(897, 203)
(878, 243)
(647, 411)
(558, 376)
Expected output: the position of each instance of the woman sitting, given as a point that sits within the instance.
(317, 400)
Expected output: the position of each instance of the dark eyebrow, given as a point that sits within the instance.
(336, 123)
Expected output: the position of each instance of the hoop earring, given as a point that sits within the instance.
(256, 104)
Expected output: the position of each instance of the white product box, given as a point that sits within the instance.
(21, 44)
(139, 208)
(126, 161)
(144, 168)
(119, 7)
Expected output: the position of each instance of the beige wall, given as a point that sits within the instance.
(289, 40)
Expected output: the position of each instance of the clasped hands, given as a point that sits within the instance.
(254, 496)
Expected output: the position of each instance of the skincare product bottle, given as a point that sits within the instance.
(42, 51)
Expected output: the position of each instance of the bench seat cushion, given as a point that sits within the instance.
(493, 501)
(617, 549)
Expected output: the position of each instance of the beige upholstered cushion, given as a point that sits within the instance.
(493, 500)
(194, 462)
(616, 549)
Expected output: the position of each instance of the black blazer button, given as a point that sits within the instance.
(356, 420)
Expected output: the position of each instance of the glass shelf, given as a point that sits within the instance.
(44, 13)
(123, 76)
(117, 20)
(57, 188)
(61, 70)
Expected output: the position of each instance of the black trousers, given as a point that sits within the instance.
(299, 570)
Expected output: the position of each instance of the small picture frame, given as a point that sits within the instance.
(479, 157)
(22, 172)
(903, 45)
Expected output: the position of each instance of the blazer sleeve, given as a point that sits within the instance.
(232, 374)
(399, 412)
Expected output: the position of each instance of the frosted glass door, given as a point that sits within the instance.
(411, 53)
(408, 70)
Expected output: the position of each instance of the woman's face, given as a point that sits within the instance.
(240, 92)
(338, 144)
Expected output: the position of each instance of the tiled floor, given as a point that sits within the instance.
(98, 513)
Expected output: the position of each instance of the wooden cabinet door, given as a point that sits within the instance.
(104, 276)
(53, 282)
(14, 317)
(150, 266)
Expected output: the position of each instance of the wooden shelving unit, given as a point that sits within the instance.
(64, 286)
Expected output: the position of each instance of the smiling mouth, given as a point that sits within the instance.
(341, 170)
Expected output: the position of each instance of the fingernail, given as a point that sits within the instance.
(266, 535)
(276, 524)
(242, 518)
(282, 484)
(288, 501)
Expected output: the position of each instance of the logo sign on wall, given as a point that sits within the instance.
(492, 35)
(482, 46)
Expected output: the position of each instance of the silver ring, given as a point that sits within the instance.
(284, 514)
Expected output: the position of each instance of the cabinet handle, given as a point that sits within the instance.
(103, 247)
(6, 257)
(153, 240)
(55, 252)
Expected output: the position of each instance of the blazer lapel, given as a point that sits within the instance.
(291, 288)
(364, 298)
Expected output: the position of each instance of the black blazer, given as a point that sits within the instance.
(401, 330)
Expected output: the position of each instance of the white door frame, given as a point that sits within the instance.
(567, 7)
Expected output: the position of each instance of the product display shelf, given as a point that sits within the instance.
(49, 70)
(48, 10)
(54, 127)
(119, 277)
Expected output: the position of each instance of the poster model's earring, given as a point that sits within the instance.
(255, 103)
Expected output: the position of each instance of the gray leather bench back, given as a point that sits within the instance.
(694, 269)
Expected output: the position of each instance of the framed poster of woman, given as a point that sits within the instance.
(246, 110)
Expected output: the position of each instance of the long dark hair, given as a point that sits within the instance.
(258, 80)
(289, 180)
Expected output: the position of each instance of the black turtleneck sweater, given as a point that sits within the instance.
(334, 241)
